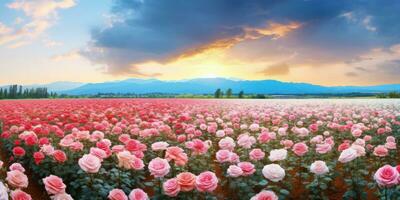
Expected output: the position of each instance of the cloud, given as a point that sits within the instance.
(42, 15)
(276, 70)
(72, 55)
(261, 32)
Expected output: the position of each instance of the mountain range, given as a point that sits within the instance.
(208, 86)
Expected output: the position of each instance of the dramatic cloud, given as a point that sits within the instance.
(298, 33)
(42, 14)
(276, 69)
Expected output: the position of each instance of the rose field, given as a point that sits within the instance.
(136, 149)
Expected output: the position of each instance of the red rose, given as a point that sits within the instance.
(18, 151)
(59, 156)
(43, 141)
(38, 156)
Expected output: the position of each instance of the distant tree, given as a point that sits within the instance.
(394, 95)
(217, 93)
(241, 94)
(229, 93)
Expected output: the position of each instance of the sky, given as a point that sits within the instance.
(325, 42)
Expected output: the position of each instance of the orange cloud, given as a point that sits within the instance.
(275, 30)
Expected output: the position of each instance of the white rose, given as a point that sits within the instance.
(319, 167)
(273, 172)
(347, 155)
(3, 192)
(277, 154)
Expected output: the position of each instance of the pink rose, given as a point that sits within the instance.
(246, 141)
(323, 148)
(159, 167)
(100, 153)
(273, 172)
(171, 187)
(17, 179)
(159, 146)
(386, 176)
(227, 143)
(206, 182)
(138, 194)
(17, 166)
(300, 149)
(20, 195)
(117, 194)
(256, 154)
(186, 181)
(176, 154)
(223, 156)
(265, 195)
(234, 171)
(381, 151)
(247, 168)
(54, 185)
(89, 163)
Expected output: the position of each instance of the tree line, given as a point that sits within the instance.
(229, 94)
(18, 92)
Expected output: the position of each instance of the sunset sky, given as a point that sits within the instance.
(349, 42)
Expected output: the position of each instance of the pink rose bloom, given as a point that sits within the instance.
(223, 156)
(264, 137)
(390, 145)
(287, 143)
(390, 139)
(227, 143)
(300, 149)
(117, 194)
(381, 151)
(137, 163)
(206, 182)
(47, 149)
(247, 168)
(380, 131)
(198, 147)
(54, 185)
(100, 153)
(159, 146)
(356, 132)
(256, 154)
(234, 171)
(138, 194)
(89, 163)
(319, 167)
(317, 139)
(265, 195)
(171, 187)
(17, 179)
(343, 146)
(359, 149)
(118, 148)
(367, 138)
(246, 141)
(386, 176)
(323, 148)
(176, 154)
(159, 167)
(254, 127)
(17, 166)
(220, 133)
(186, 181)
(125, 158)
(347, 155)
(20, 195)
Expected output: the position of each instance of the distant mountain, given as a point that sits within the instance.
(54, 86)
(209, 85)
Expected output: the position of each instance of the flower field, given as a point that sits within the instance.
(135, 149)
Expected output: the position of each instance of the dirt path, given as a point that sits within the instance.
(34, 189)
